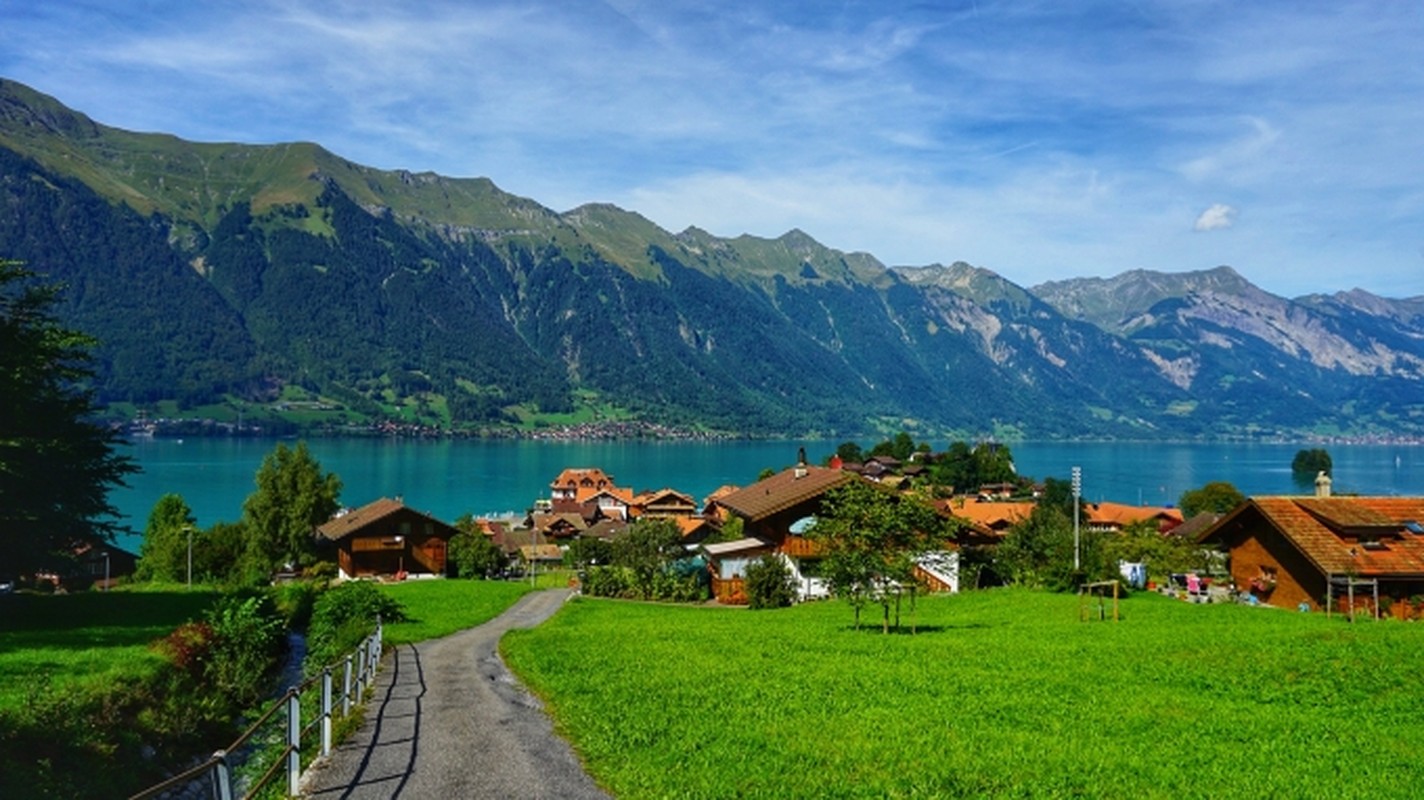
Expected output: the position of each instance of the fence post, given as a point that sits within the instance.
(361, 663)
(294, 741)
(222, 776)
(373, 655)
(326, 711)
(346, 688)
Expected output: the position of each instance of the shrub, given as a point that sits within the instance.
(295, 601)
(342, 617)
(769, 583)
(609, 582)
(248, 640)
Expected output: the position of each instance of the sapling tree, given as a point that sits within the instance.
(872, 537)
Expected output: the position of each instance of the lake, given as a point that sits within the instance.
(447, 478)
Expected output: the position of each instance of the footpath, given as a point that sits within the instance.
(448, 720)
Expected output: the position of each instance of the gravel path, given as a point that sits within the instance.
(448, 720)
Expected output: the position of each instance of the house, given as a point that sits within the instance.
(774, 512)
(1114, 517)
(995, 518)
(1308, 551)
(559, 526)
(664, 503)
(571, 482)
(95, 566)
(387, 538)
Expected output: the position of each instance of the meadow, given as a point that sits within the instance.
(86, 641)
(1003, 693)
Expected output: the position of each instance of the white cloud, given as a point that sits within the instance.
(1215, 218)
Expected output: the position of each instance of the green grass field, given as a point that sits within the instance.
(440, 608)
(1003, 693)
(87, 639)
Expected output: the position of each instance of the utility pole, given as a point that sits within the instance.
(189, 529)
(1077, 492)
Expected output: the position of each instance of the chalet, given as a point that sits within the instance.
(774, 511)
(993, 518)
(559, 526)
(664, 503)
(1308, 551)
(387, 538)
(573, 482)
(1114, 517)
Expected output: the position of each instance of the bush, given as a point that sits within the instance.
(295, 601)
(342, 617)
(609, 582)
(769, 583)
(248, 641)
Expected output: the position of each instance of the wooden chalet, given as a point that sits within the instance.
(1312, 551)
(387, 538)
(774, 511)
(664, 503)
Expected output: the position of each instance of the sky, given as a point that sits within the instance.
(1040, 140)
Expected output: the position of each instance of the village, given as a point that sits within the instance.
(1310, 553)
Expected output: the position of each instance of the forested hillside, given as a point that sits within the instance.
(285, 280)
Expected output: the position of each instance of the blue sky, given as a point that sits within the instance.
(1040, 140)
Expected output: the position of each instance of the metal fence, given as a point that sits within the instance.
(214, 777)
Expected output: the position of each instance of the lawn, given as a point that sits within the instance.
(1002, 693)
(440, 608)
(88, 639)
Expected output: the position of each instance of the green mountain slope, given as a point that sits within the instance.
(254, 275)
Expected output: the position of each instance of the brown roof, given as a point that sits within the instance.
(347, 522)
(1327, 530)
(592, 477)
(783, 490)
(990, 515)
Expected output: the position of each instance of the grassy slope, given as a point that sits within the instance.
(87, 640)
(1005, 693)
(440, 608)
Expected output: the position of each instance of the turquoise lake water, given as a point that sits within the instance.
(448, 478)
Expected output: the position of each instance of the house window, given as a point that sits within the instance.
(429, 529)
(405, 528)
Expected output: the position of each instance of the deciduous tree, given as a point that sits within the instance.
(293, 496)
(57, 464)
(872, 538)
(164, 556)
(1217, 497)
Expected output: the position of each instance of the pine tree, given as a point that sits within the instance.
(57, 464)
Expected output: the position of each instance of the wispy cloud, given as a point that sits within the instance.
(1040, 140)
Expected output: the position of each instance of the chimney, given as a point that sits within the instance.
(801, 470)
(1322, 485)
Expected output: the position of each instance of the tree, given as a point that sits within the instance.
(292, 498)
(648, 548)
(164, 556)
(57, 464)
(1309, 463)
(769, 583)
(1217, 497)
(872, 538)
(473, 553)
(850, 452)
(1038, 551)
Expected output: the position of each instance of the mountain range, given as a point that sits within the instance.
(283, 280)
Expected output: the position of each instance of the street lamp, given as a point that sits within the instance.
(1077, 492)
(400, 564)
(106, 570)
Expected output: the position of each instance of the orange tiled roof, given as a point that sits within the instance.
(348, 522)
(1327, 530)
(585, 494)
(581, 476)
(989, 515)
(1123, 515)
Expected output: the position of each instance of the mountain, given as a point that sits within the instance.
(285, 280)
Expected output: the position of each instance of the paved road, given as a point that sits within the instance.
(448, 720)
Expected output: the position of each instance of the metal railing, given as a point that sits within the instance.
(358, 675)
